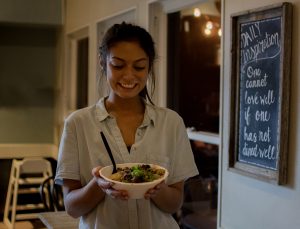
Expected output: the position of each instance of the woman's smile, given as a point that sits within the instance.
(128, 86)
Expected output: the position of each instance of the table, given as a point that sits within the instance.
(58, 220)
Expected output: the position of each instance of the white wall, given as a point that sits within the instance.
(29, 31)
(247, 203)
(31, 11)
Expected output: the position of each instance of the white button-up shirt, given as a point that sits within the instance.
(161, 139)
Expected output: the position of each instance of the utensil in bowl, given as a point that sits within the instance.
(109, 152)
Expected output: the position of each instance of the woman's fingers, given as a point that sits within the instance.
(118, 194)
(152, 192)
(103, 184)
(95, 171)
(107, 187)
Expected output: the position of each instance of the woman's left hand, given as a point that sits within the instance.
(107, 187)
(152, 192)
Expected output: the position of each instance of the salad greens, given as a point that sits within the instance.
(137, 174)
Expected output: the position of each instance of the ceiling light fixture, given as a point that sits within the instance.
(197, 12)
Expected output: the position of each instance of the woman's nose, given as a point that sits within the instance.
(128, 72)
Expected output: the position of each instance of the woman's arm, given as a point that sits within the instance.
(80, 200)
(168, 198)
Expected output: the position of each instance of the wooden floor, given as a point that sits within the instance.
(19, 225)
(25, 225)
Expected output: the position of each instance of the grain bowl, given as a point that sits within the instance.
(135, 178)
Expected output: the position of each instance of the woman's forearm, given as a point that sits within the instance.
(170, 198)
(80, 201)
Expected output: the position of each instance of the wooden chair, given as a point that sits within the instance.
(25, 177)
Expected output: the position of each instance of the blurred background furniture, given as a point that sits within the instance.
(52, 195)
(26, 176)
(199, 209)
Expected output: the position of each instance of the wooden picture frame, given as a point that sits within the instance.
(260, 86)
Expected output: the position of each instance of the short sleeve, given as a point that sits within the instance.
(184, 165)
(68, 162)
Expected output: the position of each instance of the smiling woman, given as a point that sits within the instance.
(136, 131)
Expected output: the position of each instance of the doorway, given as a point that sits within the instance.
(82, 73)
(193, 79)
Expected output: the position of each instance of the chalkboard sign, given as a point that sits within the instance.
(261, 51)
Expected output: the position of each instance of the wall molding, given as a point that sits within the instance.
(9, 151)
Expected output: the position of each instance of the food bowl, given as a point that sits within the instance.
(135, 190)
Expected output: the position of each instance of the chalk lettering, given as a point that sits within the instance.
(259, 60)
(268, 153)
(253, 72)
(256, 51)
(249, 136)
(247, 115)
(264, 136)
(267, 99)
(251, 34)
(263, 116)
(249, 151)
(251, 99)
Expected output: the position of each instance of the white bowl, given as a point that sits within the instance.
(135, 190)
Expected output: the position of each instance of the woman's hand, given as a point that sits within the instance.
(168, 198)
(107, 187)
(152, 192)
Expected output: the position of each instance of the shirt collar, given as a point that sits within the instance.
(149, 117)
(101, 112)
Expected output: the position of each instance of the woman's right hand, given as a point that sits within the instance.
(107, 187)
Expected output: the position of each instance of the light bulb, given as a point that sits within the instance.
(197, 12)
(220, 32)
(209, 25)
(207, 32)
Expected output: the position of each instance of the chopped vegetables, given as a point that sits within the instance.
(137, 174)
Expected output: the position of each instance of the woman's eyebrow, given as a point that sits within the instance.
(138, 60)
(118, 58)
(141, 59)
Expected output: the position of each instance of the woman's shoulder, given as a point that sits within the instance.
(81, 113)
(165, 113)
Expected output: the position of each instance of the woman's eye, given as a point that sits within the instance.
(117, 66)
(139, 68)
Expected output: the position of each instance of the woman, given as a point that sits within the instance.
(136, 130)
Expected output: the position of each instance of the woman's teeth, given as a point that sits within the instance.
(127, 85)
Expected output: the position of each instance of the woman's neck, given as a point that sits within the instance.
(118, 105)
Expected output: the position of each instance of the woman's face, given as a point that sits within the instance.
(127, 69)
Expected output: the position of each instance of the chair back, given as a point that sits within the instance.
(35, 165)
(52, 195)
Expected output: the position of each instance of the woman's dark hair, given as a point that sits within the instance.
(129, 32)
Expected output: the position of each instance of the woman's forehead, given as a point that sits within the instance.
(127, 50)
